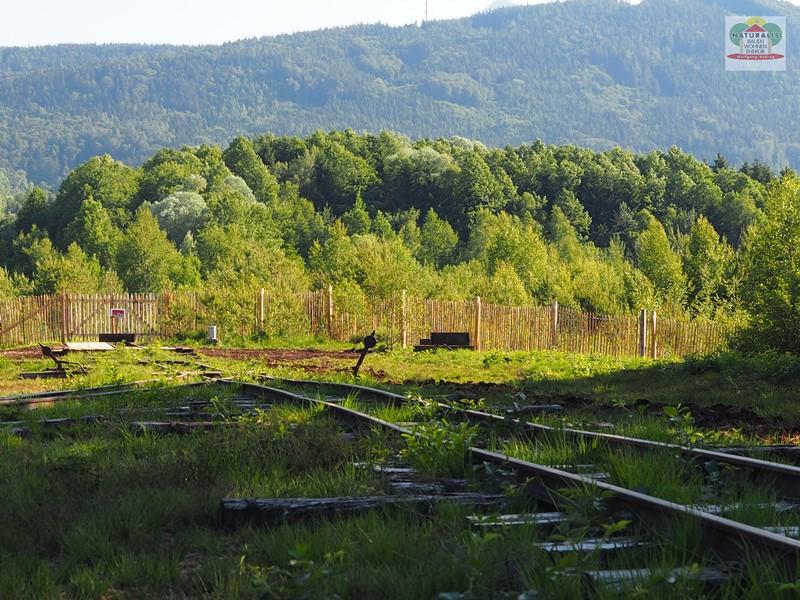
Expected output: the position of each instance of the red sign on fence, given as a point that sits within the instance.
(118, 313)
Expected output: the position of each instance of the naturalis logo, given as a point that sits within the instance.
(755, 43)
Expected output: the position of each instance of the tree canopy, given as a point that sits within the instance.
(610, 232)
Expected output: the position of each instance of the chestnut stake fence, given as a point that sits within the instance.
(401, 320)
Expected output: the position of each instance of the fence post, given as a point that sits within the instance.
(643, 333)
(159, 307)
(64, 316)
(653, 338)
(403, 320)
(554, 324)
(478, 345)
(261, 311)
(112, 302)
(330, 311)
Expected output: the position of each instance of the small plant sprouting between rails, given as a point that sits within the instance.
(424, 409)
(472, 403)
(584, 505)
(378, 445)
(439, 448)
(218, 407)
(682, 421)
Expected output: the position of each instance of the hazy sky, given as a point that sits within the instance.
(36, 22)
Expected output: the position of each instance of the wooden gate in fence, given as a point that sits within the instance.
(89, 315)
(67, 317)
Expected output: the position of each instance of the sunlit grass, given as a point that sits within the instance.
(95, 510)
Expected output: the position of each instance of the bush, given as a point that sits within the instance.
(771, 293)
(440, 448)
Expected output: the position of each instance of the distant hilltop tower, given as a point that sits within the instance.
(425, 17)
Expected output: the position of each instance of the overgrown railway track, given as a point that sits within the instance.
(72, 394)
(727, 539)
(783, 479)
(729, 545)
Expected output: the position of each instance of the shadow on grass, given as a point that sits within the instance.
(738, 387)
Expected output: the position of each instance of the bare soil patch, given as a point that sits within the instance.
(22, 353)
(275, 355)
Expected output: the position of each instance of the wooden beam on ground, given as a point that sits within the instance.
(273, 511)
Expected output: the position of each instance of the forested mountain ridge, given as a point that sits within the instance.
(596, 73)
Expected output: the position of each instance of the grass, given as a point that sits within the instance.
(94, 511)
(662, 474)
(97, 512)
(88, 509)
(766, 383)
(592, 388)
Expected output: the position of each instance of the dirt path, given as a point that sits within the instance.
(22, 353)
(232, 353)
(275, 355)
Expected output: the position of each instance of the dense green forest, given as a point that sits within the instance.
(597, 73)
(609, 231)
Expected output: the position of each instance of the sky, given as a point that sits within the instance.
(39, 22)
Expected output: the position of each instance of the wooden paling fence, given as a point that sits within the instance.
(400, 320)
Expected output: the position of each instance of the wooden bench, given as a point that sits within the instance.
(117, 338)
(447, 340)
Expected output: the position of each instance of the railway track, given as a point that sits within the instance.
(89, 393)
(51, 396)
(782, 479)
(198, 416)
(729, 540)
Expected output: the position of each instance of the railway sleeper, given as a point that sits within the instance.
(187, 427)
(791, 531)
(585, 471)
(543, 520)
(601, 546)
(405, 480)
(386, 469)
(191, 415)
(56, 422)
(533, 409)
(173, 427)
(604, 425)
(722, 509)
(576, 468)
(620, 580)
(236, 512)
(413, 487)
(214, 416)
(21, 432)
